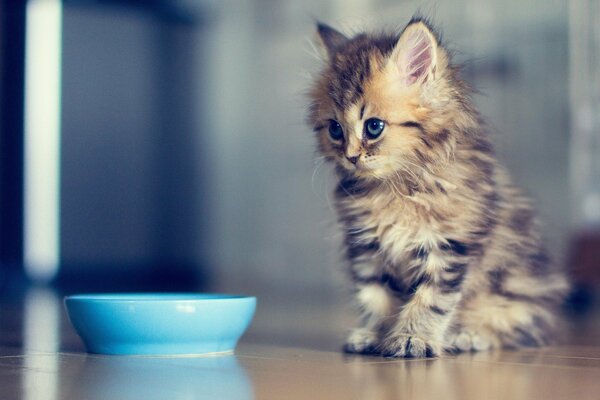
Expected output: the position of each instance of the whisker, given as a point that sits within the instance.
(320, 161)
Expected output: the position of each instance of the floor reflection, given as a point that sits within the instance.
(488, 375)
(41, 342)
(174, 378)
(407, 379)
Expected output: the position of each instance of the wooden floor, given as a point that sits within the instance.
(42, 358)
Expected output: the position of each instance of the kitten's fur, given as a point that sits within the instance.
(445, 253)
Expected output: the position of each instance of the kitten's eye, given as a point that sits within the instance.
(335, 130)
(373, 128)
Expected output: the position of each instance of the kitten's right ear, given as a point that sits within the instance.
(331, 39)
(416, 53)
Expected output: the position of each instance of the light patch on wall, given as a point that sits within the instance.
(42, 138)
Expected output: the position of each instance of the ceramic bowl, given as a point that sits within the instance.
(160, 323)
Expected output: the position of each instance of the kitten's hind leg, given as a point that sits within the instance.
(377, 304)
(493, 321)
(466, 339)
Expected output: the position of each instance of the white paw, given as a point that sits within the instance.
(361, 341)
(470, 341)
(409, 346)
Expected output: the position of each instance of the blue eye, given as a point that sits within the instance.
(373, 128)
(335, 130)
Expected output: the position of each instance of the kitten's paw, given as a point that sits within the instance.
(470, 341)
(361, 341)
(409, 346)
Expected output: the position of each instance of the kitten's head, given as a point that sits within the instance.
(387, 104)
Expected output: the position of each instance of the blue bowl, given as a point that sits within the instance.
(161, 323)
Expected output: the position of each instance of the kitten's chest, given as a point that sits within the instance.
(399, 228)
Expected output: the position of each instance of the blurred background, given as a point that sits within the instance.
(161, 145)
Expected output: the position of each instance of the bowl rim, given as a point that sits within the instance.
(155, 297)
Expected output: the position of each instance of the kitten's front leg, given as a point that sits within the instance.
(424, 319)
(374, 299)
(377, 305)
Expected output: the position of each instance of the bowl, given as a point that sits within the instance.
(160, 323)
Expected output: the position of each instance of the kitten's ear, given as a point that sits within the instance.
(331, 38)
(415, 54)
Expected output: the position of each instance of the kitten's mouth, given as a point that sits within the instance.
(371, 170)
(360, 169)
(356, 166)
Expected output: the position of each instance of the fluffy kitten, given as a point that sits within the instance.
(444, 252)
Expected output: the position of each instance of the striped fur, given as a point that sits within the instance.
(443, 250)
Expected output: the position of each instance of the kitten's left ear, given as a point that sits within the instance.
(331, 39)
(416, 53)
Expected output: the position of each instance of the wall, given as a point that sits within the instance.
(188, 143)
(131, 170)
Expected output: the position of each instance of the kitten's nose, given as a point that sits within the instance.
(352, 159)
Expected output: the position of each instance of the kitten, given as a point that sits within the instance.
(444, 252)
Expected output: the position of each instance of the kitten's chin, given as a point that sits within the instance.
(365, 173)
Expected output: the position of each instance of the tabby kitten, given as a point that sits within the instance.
(444, 252)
